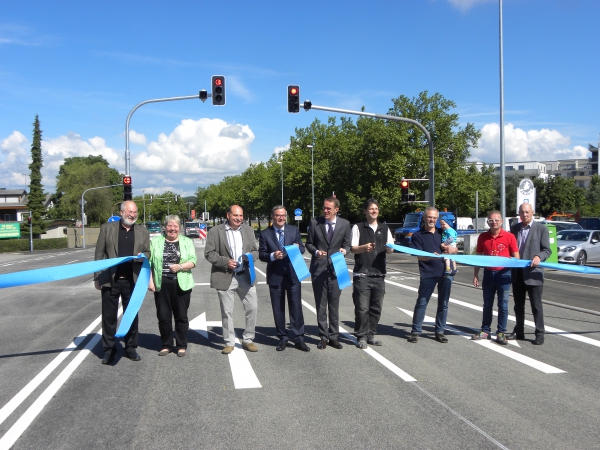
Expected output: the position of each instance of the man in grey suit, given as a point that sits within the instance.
(534, 244)
(118, 239)
(226, 246)
(327, 235)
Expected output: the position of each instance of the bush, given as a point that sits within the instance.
(22, 245)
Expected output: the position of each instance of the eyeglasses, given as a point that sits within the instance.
(280, 216)
(494, 220)
(325, 208)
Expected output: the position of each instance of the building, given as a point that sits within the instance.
(13, 203)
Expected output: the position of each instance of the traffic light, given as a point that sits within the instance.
(293, 98)
(218, 90)
(29, 220)
(175, 198)
(127, 193)
(404, 184)
(203, 95)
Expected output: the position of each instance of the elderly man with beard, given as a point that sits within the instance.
(118, 239)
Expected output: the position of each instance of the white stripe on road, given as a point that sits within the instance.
(551, 330)
(487, 343)
(384, 361)
(243, 375)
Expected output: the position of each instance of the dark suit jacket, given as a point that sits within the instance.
(108, 247)
(537, 244)
(218, 253)
(317, 240)
(268, 243)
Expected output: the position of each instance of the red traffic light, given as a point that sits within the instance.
(218, 82)
(294, 90)
(126, 180)
(404, 184)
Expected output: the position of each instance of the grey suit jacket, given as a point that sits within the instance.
(218, 253)
(317, 240)
(108, 247)
(537, 244)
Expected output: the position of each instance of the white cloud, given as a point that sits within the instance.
(465, 5)
(521, 145)
(137, 138)
(15, 161)
(235, 85)
(278, 150)
(204, 146)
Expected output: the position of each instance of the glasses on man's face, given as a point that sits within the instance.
(326, 208)
(494, 220)
(280, 216)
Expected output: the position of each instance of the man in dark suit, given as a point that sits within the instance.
(282, 278)
(327, 235)
(226, 248)
(534, 244)
(118, 239)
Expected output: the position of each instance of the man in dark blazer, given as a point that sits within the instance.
(226, 248)
(118, 239)
(282, 278)
(534, 244)
(327, 235)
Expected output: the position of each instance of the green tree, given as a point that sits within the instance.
(164, 204)
(558, 194)
(79, 173)
(36, 198)
(592, 198)
(511, 185)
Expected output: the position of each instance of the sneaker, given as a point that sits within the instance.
(374, 341)
(249, 346)
(501, 339)
(481, 335)
(414, 338)
(227, 350)
(362, 344)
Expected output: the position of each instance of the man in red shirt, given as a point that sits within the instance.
(495, 242)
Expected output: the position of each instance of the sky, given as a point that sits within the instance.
(83, 66)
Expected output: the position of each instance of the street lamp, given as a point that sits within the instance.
(25, 175)
(167, 202)
(312, 177)
(281, 162)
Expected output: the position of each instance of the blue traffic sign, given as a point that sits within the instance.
(297, 212)
(114, 218)
(202, 226)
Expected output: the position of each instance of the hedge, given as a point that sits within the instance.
(22, 245)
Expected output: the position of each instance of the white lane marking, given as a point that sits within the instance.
(384, 361)
(487, 343)
(243, 375)
(32, 412)
(551, 330)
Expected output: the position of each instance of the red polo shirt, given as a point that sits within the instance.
(505, 244)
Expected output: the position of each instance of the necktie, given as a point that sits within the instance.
(330, 232)
(280, 239)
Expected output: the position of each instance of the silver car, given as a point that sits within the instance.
(578, 246)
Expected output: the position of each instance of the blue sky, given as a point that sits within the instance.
(82, 66)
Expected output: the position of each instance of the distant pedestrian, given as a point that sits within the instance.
(496, 280)
(534, 244)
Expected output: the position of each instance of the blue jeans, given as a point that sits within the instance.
(426, 287)
(495, 281)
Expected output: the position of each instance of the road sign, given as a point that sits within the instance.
(114, 219)
(9, 230)
(202, 231)
(297, 212)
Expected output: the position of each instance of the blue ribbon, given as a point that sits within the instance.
(341, 270)
(251, 268)
(297, 261)
(76, 270)
(495, 261)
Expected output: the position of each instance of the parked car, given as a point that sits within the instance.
(560, 226)
(578, 246)
(154, 228)
(192, 229)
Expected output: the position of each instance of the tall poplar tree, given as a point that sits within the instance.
(36, 198)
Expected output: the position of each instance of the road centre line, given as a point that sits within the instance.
(489, 344)
(242, 372)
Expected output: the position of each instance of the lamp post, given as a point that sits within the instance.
(281, 162)
(312, 177)
(25, 175)
(167, 202)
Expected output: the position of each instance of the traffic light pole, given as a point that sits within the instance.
(308, 105)
(83, 214)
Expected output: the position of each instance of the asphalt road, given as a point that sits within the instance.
(460, 395)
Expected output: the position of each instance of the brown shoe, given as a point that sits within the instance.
(227, 350)
(335, 344)
(249, 346)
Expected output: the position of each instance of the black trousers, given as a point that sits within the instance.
(110, 308)
(367, 295)
(278, 294)
(327, 299)
(171, 302)
(520, 289)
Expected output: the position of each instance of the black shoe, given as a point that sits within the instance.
(282, 345)
(515, 337)
(302, 346)
(109, 357)
(414, 338)
(539, 340)
(133, 355)
(322, 345)
(335, 344)
(441, 338)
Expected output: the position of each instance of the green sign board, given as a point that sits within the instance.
(10, 230)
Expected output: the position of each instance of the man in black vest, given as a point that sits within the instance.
(368, 245)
